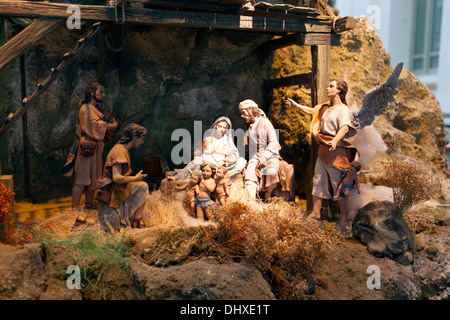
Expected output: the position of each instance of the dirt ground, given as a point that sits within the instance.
(345, 272)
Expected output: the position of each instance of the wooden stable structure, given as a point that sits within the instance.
(311, 23)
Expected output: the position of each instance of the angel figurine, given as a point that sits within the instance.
(333, 126)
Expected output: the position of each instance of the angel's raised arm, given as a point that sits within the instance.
(304, 109)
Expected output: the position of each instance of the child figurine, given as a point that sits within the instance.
(204, 190)
(189, 199)
(349, 182)
(222, 191)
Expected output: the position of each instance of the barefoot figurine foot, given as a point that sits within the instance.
(313, 216)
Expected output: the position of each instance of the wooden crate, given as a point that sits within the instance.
(8, 181)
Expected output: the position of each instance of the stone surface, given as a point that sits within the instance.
(382, 233)
(22, 272)
(203, 280)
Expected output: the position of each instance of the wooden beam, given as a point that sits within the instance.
(166, 17)
(317, 39)
(101, 56)
(26, 157)
(26, 39)
(279, 43)
(309, 39)
(295, 80)
(345, 24)
(193, 5)
(320, 73)
(290, 12)
(320, 78)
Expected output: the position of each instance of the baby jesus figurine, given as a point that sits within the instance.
(350, 182)
(189, 198)
(222, 191)
(204, 190)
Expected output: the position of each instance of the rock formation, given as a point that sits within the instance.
(203, 280)
(383, 234)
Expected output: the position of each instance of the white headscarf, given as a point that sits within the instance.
(228, 135)
(251, 104)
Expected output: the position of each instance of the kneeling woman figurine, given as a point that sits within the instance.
(126, 195)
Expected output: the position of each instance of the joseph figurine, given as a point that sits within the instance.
(92, 127)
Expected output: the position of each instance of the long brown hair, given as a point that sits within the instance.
(91, 88)
(342, 86)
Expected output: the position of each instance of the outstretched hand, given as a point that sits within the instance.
(140, 176)
(291, 103)
(302, 108)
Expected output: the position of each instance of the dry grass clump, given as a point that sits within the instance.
(274, 238)
(410, 184)
(163, 213)
(421, 220)
(175, 246)
(159, 212)
(62, 224)
(333, 235)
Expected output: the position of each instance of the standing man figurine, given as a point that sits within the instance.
(91, 129)
(262, 169)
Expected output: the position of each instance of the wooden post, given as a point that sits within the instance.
(320, 73)
(320, 80)
(101, 57)
(26, 158)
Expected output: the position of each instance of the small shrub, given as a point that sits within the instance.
(410, 184)
(26, 232)
(273, 237)
(421, 220)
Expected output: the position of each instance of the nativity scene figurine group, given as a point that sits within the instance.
(217, 164)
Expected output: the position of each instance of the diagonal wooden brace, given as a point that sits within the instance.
(54, 74)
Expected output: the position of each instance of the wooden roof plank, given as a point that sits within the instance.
(165, 17)
(26, 39)
(281, 7)
(263, 5)
(201, 6)
(241, 2)
(280, 14)
(301, 10)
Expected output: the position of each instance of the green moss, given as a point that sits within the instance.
(104, 262)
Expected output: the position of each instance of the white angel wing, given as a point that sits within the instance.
(376, 100)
